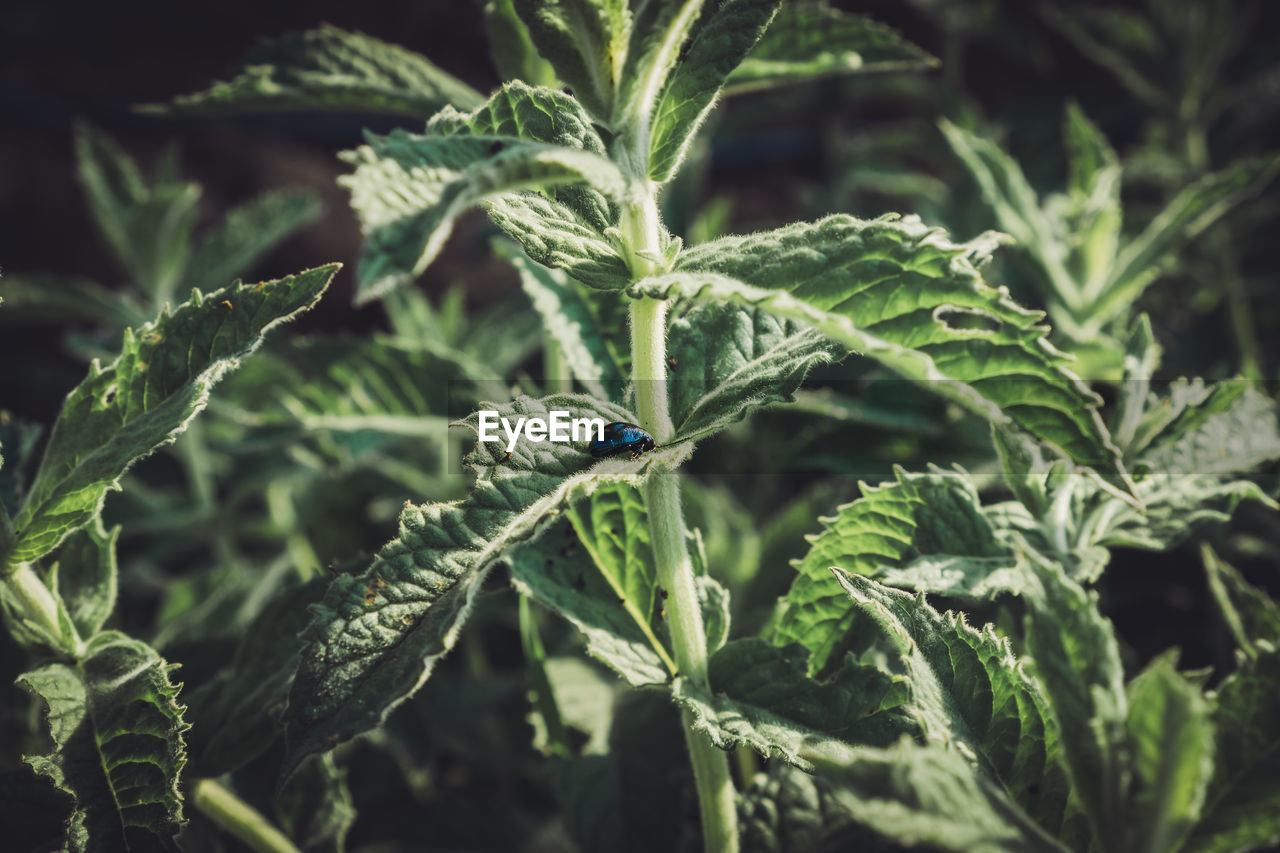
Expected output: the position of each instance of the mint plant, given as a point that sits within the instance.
(862, 711)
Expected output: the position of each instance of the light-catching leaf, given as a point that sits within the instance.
(596, 570)
(730, 359)
(806, 41)
(148, 395)
(1197, 444)
(720, 38)
(926, 531)
(377, 635)
(249, 232)
(117, 744)
(899, 292)
(331, 68)
(964, 686)
(409, 188)
(1242, 806)
(585, 41)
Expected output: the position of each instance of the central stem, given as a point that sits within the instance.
(716, 796)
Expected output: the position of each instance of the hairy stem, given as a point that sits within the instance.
(223, 807)
(716, 797)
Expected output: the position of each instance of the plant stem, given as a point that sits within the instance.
(716, 796)
(223, 807)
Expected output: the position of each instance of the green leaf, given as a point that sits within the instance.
(553, 235)
(730, 359)
(763, 699)
(965, 686)
(585, 41)
(346, 385)
(18, 443)
(1197, 444)
(1189, 213)
(409, 188)
(235, 713)
(331, 68)
(44, 298)
(807, 41)
(658, 33)
(377, 635)
(1242, 807)
(596, 570)
(1077, 659)
(1251, 616)
(1016, 207)
(569, 321)
(1171, 744)
(924, 531)
(931, 795)
(511, 46)
(1093, 216)
(117, 744)
(85, 576)
(315, 807)
(902, 294)
(147, 227)
(720, 38)
(142, 400)
(249, 232)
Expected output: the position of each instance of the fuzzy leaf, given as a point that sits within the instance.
(1171, 744)
(1189, 213)
(729, 360)
(763, 699)
(570, 322)
(1250, 614)
(924, 531)
(1077, 659)
(1242, 807)
(409, 188)
(148, 395)
(248, 233)
(902, 294)
(117, 744)
(596, 570)
(723, 34)
(377, 635)
(931, 795)
(346, 385)
(807, 41)
(85, 576)
(147, 227)
(965, 686)
(585, 41)
(331, 68)
(1207, 438)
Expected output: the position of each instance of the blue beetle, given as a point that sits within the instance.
(621, 437)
